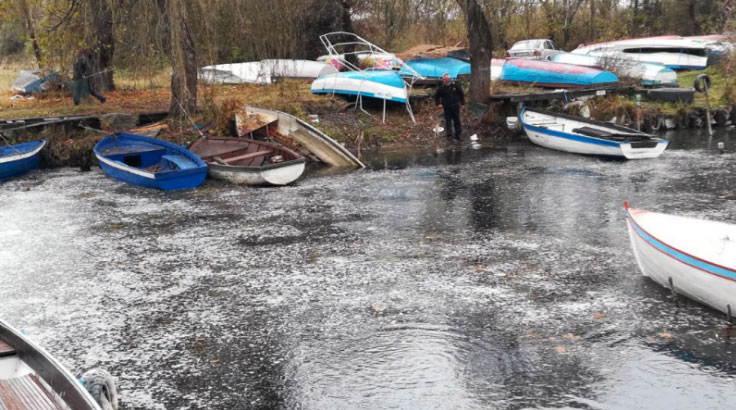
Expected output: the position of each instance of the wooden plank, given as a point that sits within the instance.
(26, 392)
(6, 349)
(246, 156)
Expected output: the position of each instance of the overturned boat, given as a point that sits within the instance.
(264, 71)
(650, 74)
(675, 53)
(17, 159)
(582, 136)
(302, 137)
(693, 257)
(557, 75)
(30, 378)
(245, 161)
(432, 69)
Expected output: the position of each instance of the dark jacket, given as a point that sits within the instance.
(450, 96)
(82, 68)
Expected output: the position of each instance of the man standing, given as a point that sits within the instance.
(82, 85)
(449, 96)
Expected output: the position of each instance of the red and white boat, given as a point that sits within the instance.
(697, 258)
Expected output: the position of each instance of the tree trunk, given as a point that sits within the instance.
(101, 23)
(481, 50)
(26, 10)
(183, 62)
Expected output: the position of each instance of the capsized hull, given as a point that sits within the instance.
(384, 85)
(549, 74)
(698, 256)
(649, 74)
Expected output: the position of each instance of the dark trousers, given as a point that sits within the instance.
(452, 121)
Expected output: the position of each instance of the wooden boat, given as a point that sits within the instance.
(694, 257)
(249, 162)
(149, 162)
(20, 158)
(675, 53)
(294, 133)
(582, 136)
(30, 378)
(548, 74)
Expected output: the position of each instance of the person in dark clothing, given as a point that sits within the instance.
(82, 76)
(449, 96)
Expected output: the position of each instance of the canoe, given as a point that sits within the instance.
(649, 74)
(294, 133)
(379, 84)
(30, 378)
(245, 161)
(432, 69)
(264, 71)
(149, 162)
(695, 257)
(548, 74)
(582, 136)
(675, 53)
(20, 158)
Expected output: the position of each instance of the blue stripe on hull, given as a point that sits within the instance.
(363, 93)
(15, 168)
(681, 257)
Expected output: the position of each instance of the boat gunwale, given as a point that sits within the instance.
(24, 155)
(632, 219)
(298, 159)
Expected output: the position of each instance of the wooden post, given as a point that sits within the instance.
(707, 112)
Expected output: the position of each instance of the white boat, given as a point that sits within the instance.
(675, 53)
(30, 378)
(295, 133)
(497, 68)
(694, 257)
(582, 136)
(381, 84)
(264, 71)
(649, 73)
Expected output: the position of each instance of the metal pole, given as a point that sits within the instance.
(707, 112)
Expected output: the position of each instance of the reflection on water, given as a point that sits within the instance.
(470, 279)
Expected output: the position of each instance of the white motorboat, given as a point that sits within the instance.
(264, 71)
(675, 53)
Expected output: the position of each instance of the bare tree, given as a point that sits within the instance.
(183, 62)
(26, 12)
(481, 50)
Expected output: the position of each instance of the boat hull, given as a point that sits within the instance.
(20, 163)
(558, 137)
(696, 278)
(650, 74)
(558, 75)
(384, 85)
(282, 175)
(176, 179)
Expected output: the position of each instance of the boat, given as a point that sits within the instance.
(650, 74)
(20, 158)
(378, 81)
(497, 68)
(693, 257)
(31, 378)
(294, 133)
(149, 162)
(557, 75)
(264, 71)
(432, 69)
(675, 53)
(245, 161)
(583, 136)
(672, 94)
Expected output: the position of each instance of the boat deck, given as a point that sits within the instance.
(6, 349)
(27, 392)
(129, 148)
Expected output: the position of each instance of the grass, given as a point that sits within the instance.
(718, 90)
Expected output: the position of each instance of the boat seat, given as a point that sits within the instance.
(246, 156)
(6, 349)
(136, 148)
(27, 392)
(592, 132)
(180, 161)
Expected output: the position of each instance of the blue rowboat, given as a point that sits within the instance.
(149, 162)
(380, 84)
(557, 75)
(582, 136)
(433, 68)
(18, 159)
